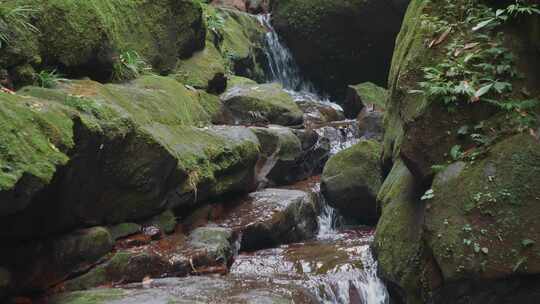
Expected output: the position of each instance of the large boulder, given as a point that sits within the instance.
(472, 237)
(107, 154)
(340, 42)
(421, 128)
(351, 180)
(272, 217)
(262, 104)
(87, 38)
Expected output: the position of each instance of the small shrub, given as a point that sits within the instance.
(129, 65)
(15, 20)
(48, 78)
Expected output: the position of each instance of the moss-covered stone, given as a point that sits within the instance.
(265, 103)
(351, 180)
(86, 38)
(165, 221)
(34, 139)
(339, 42)
(204, 70)
(123, 230)
(398, 239)
(362, 95)
(235, 81)
(242, 36)
(483, 220)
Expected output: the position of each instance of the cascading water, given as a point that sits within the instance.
(345, 284)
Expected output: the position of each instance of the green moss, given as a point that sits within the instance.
(98, 296)
(34, 139)
(202, 68)
(371, 93)
(235, 81)
(490, 204)
(398, 238)
(165, 221)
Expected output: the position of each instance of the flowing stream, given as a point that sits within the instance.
(345, 271)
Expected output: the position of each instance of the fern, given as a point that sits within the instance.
(14, 20)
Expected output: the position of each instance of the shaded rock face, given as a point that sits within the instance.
(351, 180)
(39, 265)
(477, 232)
(339, 42)
(252, 6)
(103, 148)
(262, 104)
(230, 289)
(86, 39)
(273, 217)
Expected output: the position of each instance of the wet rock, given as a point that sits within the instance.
(273, 216)
(365, 95)
(123, 230)
(262, 104)
(152, 233)
(332, 269)
(166, 222)
(358, 36)
(339, 135)
(370, 124)
(198, 289)
(289, 155)
(216, 242)
(39, 265)
(351, 180)
(317, 112)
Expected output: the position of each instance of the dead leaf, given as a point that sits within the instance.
(441, 38)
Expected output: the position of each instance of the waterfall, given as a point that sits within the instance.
(282, 67)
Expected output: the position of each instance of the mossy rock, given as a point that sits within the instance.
(339, 42)
(483, 220)
(123, 230)
(420, 130)
(362, 95)
(217, 242)
(351, 180)
(204, 70)
(42, 264)
(35, 138)
(165, 221)
(235, 81)
(85, 39)
(398, 238)
(242, 36)
(137, 146)
(265, 103)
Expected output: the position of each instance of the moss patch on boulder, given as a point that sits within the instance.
(351, 180)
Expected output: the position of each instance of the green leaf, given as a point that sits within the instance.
(483, 90)
(483, 24)
(456, 152)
